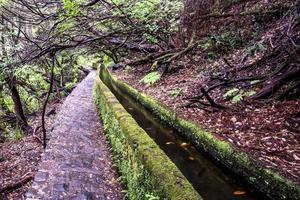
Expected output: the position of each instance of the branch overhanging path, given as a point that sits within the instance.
(76, 163)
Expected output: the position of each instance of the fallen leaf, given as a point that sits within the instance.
(296, 157)
(184, 144)
(191, 158)
(239, 192)
(233, 119)
(167, 143)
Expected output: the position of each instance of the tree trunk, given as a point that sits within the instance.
(20, 116)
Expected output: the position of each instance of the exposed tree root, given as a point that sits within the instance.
(225, 83)
(291, 92)
(150, 57)
(16, 185)
(276, 83)
(243, 14)
(210, 100)
(35, 136)
(168, 58)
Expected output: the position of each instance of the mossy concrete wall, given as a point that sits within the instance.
(240, 164)
(145, 169)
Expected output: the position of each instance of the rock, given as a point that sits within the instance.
(117, 66)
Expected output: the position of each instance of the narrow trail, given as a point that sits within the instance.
(76, 163)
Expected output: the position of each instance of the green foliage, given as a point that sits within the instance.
(16, 134)
(249, 93)
(155, 9)
(72, 10)
(8, 102)
(133, 174)
(72, 7)
(140, 161)
(144, 9)
(255, 48)
(219, 44)
(151, 197)
(153, 16)
(227, 40)
(231, 93)
(151, 78)
(212, 55)
(254, 82)
(237, 98)
(3, 2)
(88, 60)
(236, 94)
(204, 44)
(150, 38)
(34, 86)
(107, 61)
(70, 85)
(67, 25)
(32, 83)
(252, 179)
(221, 151)
(175, 93)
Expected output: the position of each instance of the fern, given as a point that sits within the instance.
(237, 98)
(151, 78)
(236, 94)
(231, 93)
(175, 93)
(249, 93)
(254, 82)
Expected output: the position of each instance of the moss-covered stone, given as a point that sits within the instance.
(145, 169)
(240, 164)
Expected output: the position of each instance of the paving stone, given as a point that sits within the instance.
(41, 176)
(60, 187)
(76, 163)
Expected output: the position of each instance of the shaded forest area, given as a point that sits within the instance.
(230, 65)
(235, 72)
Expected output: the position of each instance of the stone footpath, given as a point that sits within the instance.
(76, 163)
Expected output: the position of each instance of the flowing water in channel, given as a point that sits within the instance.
(208, 179)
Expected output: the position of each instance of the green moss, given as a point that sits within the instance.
(239, 163)
(145, 169)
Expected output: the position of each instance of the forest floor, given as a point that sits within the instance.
(19, 159)
(268, 130)
(259, 128)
